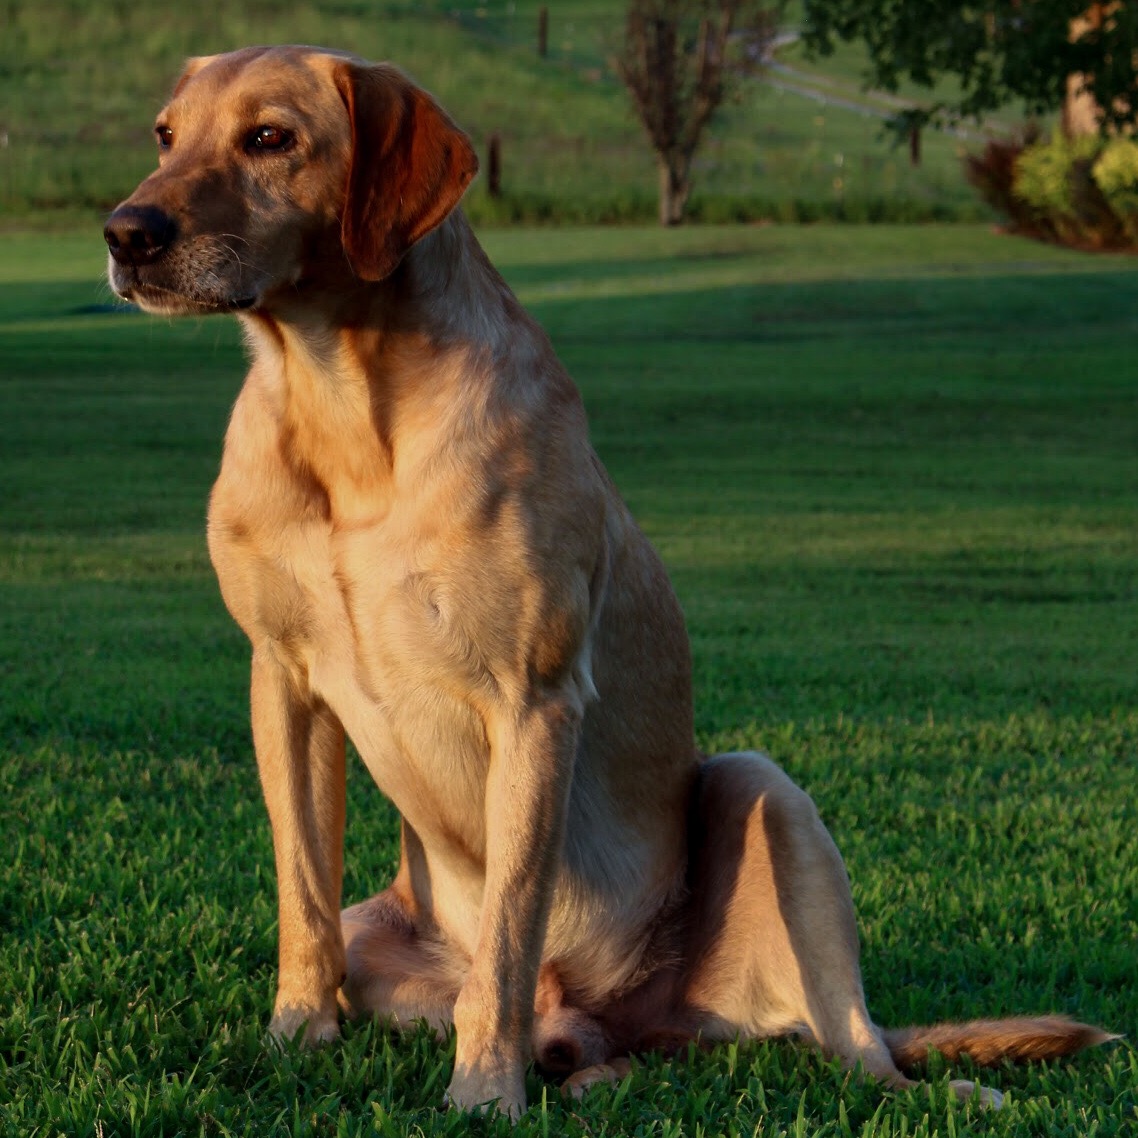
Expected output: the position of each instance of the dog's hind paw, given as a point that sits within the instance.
(988, 1097)
(580, 1081)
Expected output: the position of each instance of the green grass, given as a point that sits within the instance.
(81, 81)
(893, 473)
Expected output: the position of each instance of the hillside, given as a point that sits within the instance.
(80, 82)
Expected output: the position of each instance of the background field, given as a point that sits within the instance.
(81, 81)
(893, 473)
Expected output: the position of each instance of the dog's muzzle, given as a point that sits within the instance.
(138, 235)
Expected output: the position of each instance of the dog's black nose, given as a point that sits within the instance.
(137, 235)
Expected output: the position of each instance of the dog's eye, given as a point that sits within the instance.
(269, 138)
(165, 137)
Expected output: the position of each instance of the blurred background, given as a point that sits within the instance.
(812, 123)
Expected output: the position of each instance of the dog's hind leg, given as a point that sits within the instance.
(400, 974)
(774, 941)
(395, 970)
(774, 945)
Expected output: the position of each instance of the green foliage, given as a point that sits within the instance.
(1080, 191)
(998, 51)
(892, 474)
(1044, 171)
(1115, 172)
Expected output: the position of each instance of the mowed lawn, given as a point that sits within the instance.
(894, 475)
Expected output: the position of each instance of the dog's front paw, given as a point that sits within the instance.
(485, 1090)
(306, 1026)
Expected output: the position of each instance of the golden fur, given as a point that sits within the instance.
(426, 554)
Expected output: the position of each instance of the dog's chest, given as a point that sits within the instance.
(359, 625)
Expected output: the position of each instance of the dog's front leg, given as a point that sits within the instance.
(527, 792)
(300, 756)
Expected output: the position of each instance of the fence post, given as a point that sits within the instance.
(494, 166)
(543, 31)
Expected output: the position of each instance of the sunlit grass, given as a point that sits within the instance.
(894, 476)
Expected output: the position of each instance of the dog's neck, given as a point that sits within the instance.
(444, 287)
(366, 382)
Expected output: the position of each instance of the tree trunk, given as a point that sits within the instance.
(675, 185)
(1081, 114)
(1080, 111)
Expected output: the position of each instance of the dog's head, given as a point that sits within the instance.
(275, 163)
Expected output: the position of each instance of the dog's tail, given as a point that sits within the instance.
(988, 1041)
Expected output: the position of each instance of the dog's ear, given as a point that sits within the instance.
(193, 65)
(410, 166)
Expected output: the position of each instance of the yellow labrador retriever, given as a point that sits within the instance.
(427, 555)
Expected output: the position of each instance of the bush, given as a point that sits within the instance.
(1116, 174)
(992, 175)
(1043, 172)
(1080, 191)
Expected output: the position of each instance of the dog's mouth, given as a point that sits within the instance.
(163, 301)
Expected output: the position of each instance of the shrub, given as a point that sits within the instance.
(1115, 172)
(1043, 172)
(1079, 191)
(992, 173)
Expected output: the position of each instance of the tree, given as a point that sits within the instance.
(1038, 52)
(679, 61)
